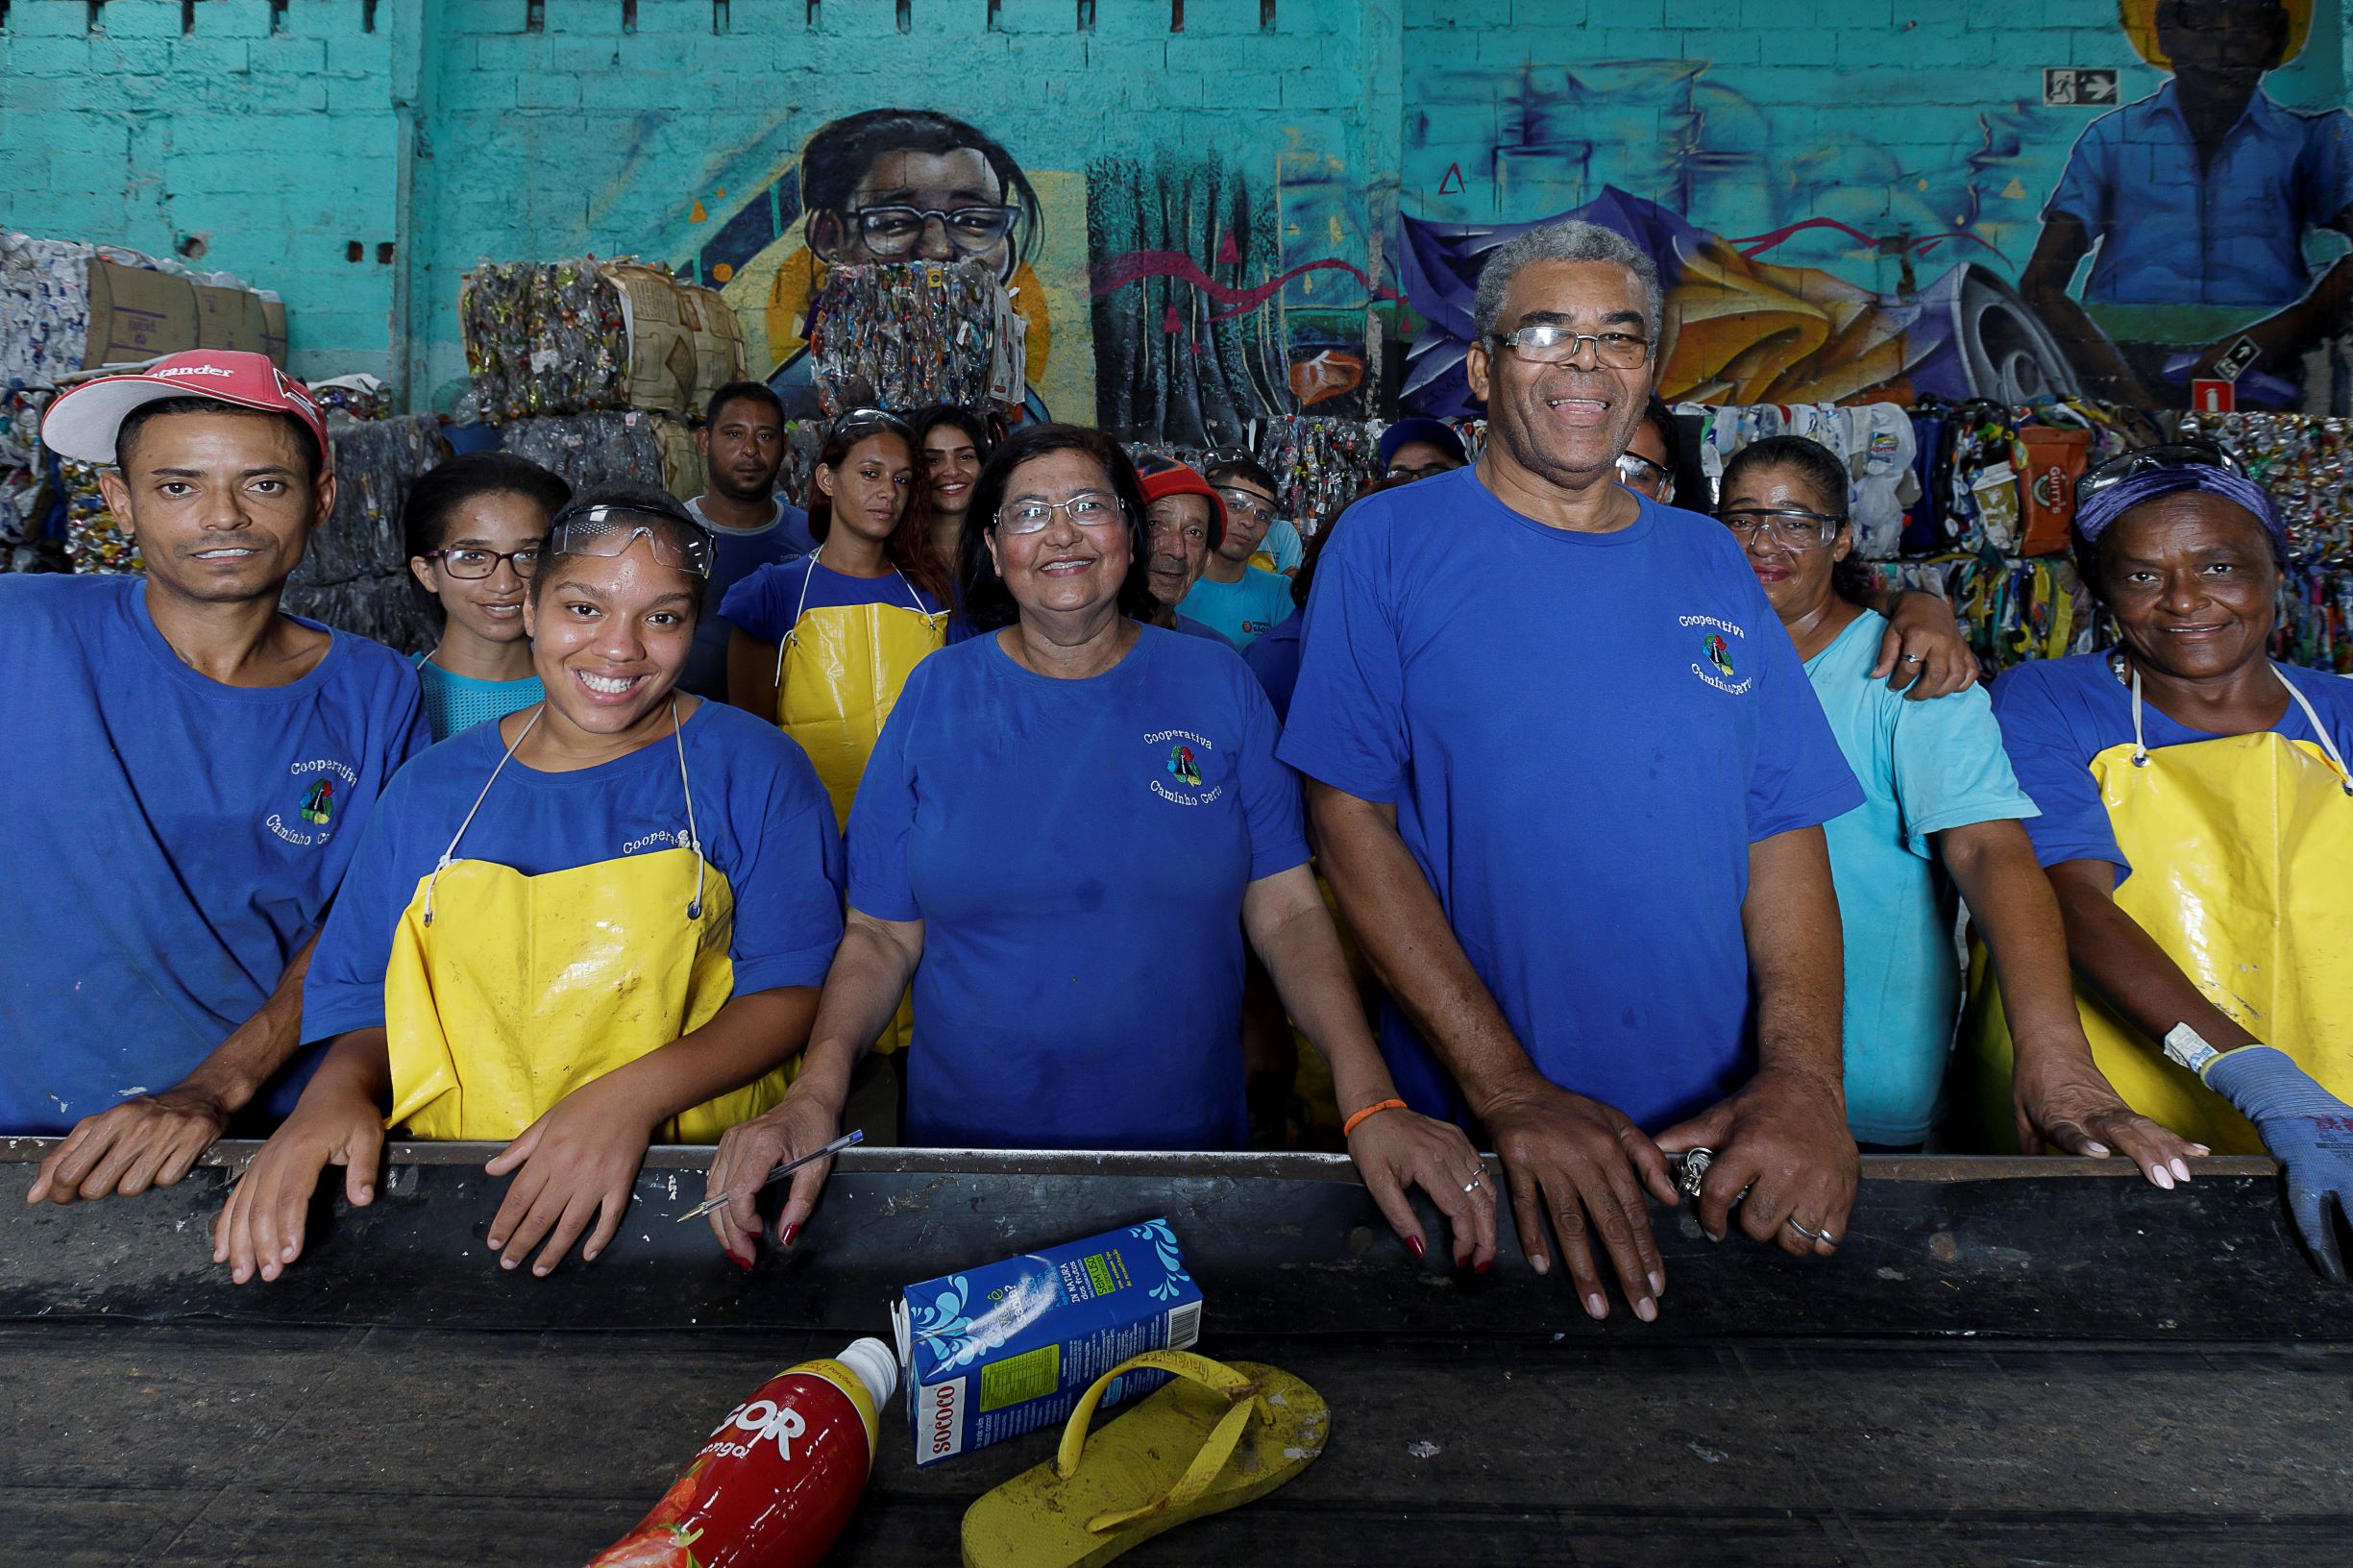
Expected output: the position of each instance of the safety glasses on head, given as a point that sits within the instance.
(606, 531)
(1551, 343)
(865, 421)
(1791, 525)
(2124, 465)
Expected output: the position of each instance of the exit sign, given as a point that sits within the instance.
(2092, 87)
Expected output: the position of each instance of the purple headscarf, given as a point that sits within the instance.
(2097, 515)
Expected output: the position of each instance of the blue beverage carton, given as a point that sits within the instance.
(1008, 1348)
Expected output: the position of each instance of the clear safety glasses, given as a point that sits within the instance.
(2143, 459)
(606, 531)
(1636, 472)
(1790, 525)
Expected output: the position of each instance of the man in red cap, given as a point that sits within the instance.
(1183, 521)
(205, 765)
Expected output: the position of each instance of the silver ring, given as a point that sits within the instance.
(1471, 1185)
(1911, 658)
(1822, 1235)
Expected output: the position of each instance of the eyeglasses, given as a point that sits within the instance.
(1549, 343)
(2145, 459)
(894, 230)
(1249, 503)
(1417, 471)
(1639, 473)
(1086, 510)
(607, 532)
(1791, 525)
(467, 562)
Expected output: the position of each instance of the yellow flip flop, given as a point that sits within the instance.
(1215, 1439)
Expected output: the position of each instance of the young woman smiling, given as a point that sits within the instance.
(595, 923)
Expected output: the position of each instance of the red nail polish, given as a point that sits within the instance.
(789, 1232)
(1414, 1243)
(1484, 1265)
(740, 1261)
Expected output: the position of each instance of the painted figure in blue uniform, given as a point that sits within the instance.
(2194, 204)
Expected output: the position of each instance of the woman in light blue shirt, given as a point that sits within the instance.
(1940, 807)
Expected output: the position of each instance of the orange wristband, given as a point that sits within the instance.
(1373, 1109)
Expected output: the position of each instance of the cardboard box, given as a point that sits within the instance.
(1008, 1348)
(228, 318)
(685, 343)
(137, 316)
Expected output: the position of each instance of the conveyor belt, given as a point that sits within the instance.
(2010, 1363)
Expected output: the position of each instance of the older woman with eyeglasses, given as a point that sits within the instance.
(1938, 793)
(1070, 824)
(2197, 829)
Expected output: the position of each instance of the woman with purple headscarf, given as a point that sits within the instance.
(2197, 829)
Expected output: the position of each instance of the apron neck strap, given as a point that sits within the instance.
(2328, 742)
(694, 838)
(792, 633)
(451, 853)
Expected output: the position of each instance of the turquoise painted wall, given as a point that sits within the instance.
(1218, 204)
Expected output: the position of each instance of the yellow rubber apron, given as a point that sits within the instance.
(2241, 856)
(839, 672)
(506, 993)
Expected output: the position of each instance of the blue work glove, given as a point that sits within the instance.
(2306, 1128)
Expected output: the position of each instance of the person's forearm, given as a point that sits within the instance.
(1401, 930)
(1294, 937)
(869, 973)
(357, 1066)
(1797, 961)
(2011, 901)
(237, 1067)
(752, 675)
(2124, 963)
(751, 1035)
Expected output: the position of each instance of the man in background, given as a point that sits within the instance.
(741, 442)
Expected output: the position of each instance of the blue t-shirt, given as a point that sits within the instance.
(2175, 228)
(1583, 734)
(1925, 767)
(738, 556)
(765, 822)
(1274, 659)
(1077, 851)
(1191, 628)
(2058, 714)
(456, 702)
(171, 841)
(766, 604)
(1238, 612)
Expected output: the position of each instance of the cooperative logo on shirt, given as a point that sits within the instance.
(1176, 775)
(659, 839)
(1716, 647)
(315, 805)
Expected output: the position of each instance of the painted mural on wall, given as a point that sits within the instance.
(1169, 296)
(2212, 218)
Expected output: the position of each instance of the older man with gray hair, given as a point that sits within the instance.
(1567, 777)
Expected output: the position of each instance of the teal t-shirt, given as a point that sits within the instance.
(455, 703)
(1925, 767)
(1238, 612)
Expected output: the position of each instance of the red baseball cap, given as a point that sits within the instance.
(1177, 480)
(82, 423)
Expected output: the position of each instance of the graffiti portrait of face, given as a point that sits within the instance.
(919, 206)
(2227, 44)
(1566, 421)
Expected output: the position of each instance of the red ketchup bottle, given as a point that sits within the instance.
(778, 1479)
